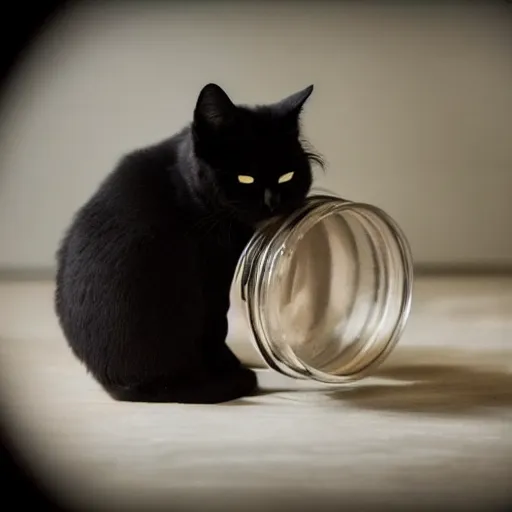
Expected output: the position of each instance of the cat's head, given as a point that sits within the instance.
(252, 158)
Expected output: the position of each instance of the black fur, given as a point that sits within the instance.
(145, 269)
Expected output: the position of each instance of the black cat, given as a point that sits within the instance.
(145, 269)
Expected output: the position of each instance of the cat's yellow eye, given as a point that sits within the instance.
(285, 177)
(247, 180)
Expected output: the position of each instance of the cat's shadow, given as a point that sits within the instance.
(425, 381)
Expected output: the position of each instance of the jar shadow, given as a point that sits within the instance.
(440, 383)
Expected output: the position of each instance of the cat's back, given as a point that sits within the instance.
(125, 263)
(137, 209)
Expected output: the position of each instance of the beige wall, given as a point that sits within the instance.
(412, 109)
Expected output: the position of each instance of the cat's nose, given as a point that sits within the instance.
(271, 199)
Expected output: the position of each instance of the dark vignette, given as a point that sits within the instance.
(26, 22)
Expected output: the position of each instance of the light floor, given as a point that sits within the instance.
(432, 429)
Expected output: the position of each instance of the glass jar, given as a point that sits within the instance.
(326, 291)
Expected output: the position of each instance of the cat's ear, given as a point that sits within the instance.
(213, 109)
(292, 105)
